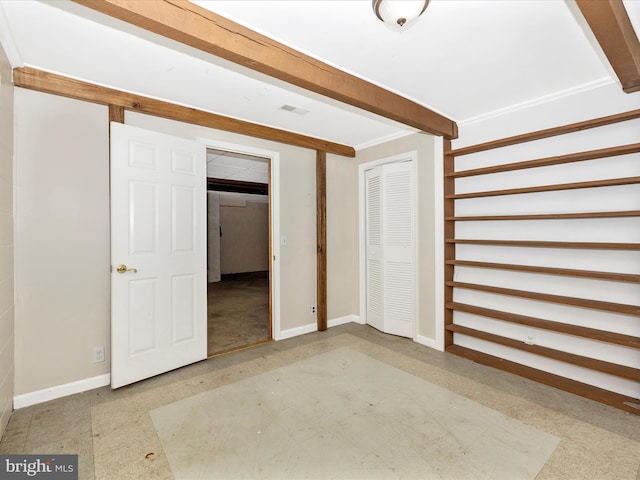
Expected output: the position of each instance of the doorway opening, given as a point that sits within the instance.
(238, 251)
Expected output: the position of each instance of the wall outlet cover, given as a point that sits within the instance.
(98, 354)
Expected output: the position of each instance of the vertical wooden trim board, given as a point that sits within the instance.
(271, 255)
(321, 233)
(116, 113)
(449, 232)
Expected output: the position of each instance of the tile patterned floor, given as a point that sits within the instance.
(114, 435)
(379, 421)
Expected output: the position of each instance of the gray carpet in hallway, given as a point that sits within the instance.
(238, 311)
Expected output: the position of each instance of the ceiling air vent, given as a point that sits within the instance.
(293, 109)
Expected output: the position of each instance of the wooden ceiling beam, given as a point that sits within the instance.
(610, 23)
(192, 25)
(42, 81)
(237, 186)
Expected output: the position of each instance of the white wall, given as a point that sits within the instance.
(62, 240)
(213, 237)
(244, 245)
(342, 237)
(580, 106)
(7, 308)
(62, 235)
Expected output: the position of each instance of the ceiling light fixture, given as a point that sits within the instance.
(399, 13)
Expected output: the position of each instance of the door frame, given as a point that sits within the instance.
(274, 212)
(412, 158)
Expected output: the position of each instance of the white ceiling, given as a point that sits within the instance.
(237, 166)
(464, 59)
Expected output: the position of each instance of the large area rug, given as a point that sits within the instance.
(344, 415)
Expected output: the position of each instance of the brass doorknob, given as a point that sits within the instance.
(123, 269)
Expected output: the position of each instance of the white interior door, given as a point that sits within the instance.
(158, 233)
(390, 248)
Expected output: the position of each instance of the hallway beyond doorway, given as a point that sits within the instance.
(238, 312)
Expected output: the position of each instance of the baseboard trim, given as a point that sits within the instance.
(342, 320)
(428, 342)
(294, 332)
(59, 391)
(313, 327)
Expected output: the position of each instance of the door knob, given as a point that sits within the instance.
(123, 269)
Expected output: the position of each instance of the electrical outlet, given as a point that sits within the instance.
(529, 340)
(313, 309)
(98, 354)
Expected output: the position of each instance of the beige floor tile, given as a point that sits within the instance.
(142, 459)
(324, 417)
(113, 430)
(107, 440)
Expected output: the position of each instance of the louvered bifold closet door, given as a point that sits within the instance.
(374, 248)
(390, 244)
(398, 249)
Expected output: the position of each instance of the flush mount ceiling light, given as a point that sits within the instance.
(399, 13)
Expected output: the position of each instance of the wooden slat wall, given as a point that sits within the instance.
(542, 257)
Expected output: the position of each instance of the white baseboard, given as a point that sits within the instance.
(51, 393)
(334, 322)
(294, 332)
(428, 342)
(313, 327)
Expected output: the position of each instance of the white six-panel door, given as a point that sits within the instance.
(158, 233)
(390, 245)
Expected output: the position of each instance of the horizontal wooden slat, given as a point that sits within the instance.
(548, 188)
(567, 328)
(548, 216)
(547, 244)
(607, 397)
(548, 161)
(621, 371)
(595, 393)
(546, 297)
(612, 276)
(238, 186)
(41, 81)
(549, 132)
